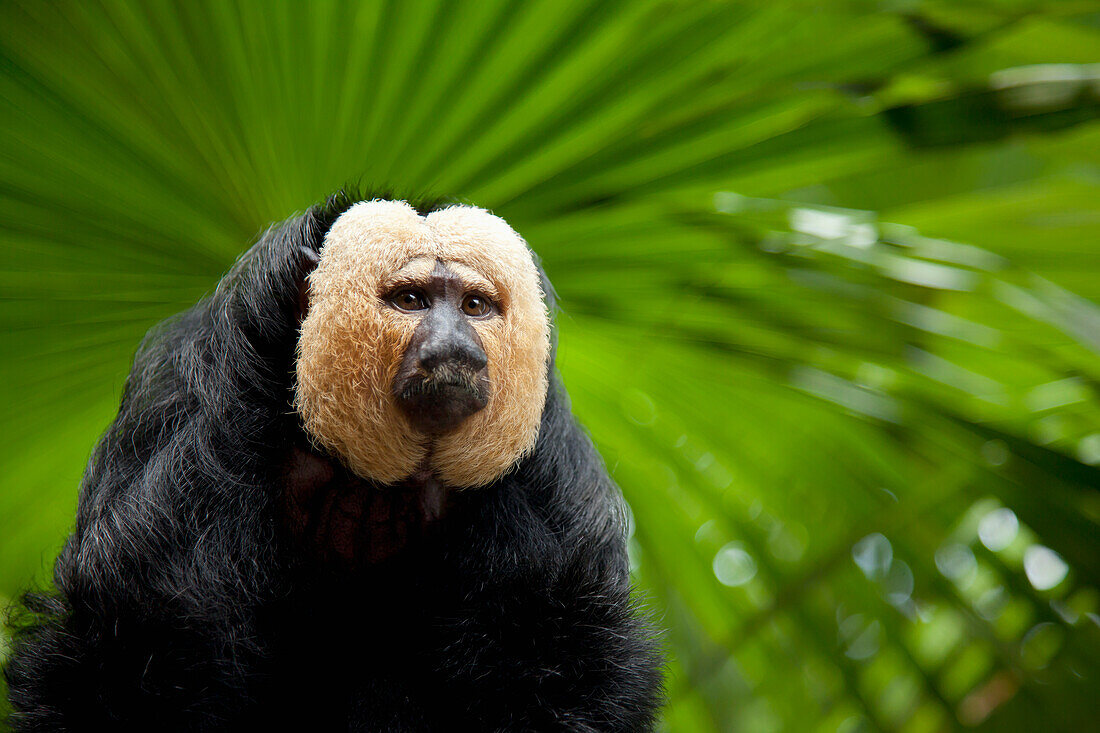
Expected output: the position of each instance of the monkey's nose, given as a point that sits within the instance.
(456, 349)
(456, 382)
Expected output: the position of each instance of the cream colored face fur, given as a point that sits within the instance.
(352, 342)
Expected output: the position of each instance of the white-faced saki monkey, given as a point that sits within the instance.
(346, 492)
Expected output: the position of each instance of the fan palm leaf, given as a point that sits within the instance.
(829, 276)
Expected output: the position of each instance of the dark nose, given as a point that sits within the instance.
(451, 341)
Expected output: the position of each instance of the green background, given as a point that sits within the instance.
(830, 275)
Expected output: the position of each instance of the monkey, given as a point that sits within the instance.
(346, 491)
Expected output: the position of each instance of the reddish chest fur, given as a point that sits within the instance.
(342, 520)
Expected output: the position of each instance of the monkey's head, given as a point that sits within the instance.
(425, 344)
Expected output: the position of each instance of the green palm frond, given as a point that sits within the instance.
(829, 276)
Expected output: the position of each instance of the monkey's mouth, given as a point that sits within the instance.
(439, 401)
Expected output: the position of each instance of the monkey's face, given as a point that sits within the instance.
(425, 344)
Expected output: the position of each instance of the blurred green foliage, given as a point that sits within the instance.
(829, 271)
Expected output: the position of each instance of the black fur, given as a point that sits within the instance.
(184, 604)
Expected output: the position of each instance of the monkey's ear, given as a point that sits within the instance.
(307, 263)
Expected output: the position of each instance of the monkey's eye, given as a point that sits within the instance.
(409, 300)
(476, 305)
